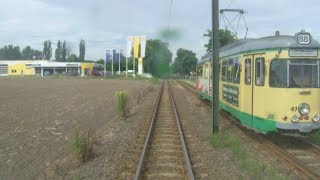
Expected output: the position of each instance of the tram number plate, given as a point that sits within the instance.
(304, 39)
(294, 109)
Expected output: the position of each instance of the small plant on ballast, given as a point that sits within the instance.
(82, 145)
(122, 98)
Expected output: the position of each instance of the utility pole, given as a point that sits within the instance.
(215, 65)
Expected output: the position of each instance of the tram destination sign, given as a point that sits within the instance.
(231, 94)
(303, 52)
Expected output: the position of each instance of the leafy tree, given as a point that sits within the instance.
(37, 54)
(64, 52)
(47, 50)
(10, 53)
(73, 58)
(58, 52)
(185, 62)
(82, 49)
(158, 58)
(100, 61)
(27, 53)
(225, 37)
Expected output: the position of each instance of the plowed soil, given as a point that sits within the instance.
(39, 117)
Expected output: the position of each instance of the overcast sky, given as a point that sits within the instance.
(105, 24)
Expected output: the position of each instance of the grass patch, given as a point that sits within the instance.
(122, 98)
(82, 145)
(154, 80)
(316, 137)
(252, 165)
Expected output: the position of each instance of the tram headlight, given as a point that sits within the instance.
(295, 118)
(316, 118)
(304, 109)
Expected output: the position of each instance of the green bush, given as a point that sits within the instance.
(122, 98)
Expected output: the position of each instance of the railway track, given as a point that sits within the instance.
(164, 154)
(299, 153)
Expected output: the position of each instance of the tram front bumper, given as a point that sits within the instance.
(304, 127)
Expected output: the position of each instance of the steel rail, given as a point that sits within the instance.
(188, 169)
(289, 158)
(184, 147)
(146, 143)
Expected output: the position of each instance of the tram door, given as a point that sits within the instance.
(254, 73)
(247, 92)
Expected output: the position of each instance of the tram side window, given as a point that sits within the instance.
(223, 70)
(229, 70)
(236, 71)
(260, 72)
(248, 71)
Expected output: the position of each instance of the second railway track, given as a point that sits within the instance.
(164, 154)
(298, 153)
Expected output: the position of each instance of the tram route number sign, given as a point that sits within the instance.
(231, 94)
(304, 38)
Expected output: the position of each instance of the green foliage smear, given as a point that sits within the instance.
(225, 37)
(122, 98)
(170, 34)
(255, 168)
(185, 62)
(158, 58)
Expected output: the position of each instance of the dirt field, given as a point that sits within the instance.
(39, 116)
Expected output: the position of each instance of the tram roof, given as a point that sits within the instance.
(270, 42)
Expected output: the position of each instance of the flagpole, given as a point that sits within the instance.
(126, 66)
(119, 62)
(105, 68)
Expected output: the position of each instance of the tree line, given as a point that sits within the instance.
(62, 52)
(157, 59)
(11, 52)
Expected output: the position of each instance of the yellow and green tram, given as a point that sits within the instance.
(269, 84)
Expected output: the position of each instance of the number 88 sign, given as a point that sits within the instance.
(304, 39)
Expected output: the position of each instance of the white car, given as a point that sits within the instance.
(147, 75)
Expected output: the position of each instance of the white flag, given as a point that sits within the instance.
(143, 40)
(129, 46)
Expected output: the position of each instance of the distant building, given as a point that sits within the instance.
(47, 68)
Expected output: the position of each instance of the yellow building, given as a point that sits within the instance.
(47, 68)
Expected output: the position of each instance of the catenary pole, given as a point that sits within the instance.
(215, 65)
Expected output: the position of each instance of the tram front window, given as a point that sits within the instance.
(295, 73)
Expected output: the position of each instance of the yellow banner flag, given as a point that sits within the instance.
(136, 47)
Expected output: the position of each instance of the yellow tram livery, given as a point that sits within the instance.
(269, 84)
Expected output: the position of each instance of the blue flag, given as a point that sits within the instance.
(107, 55)
(121, 55)
(114, 55)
